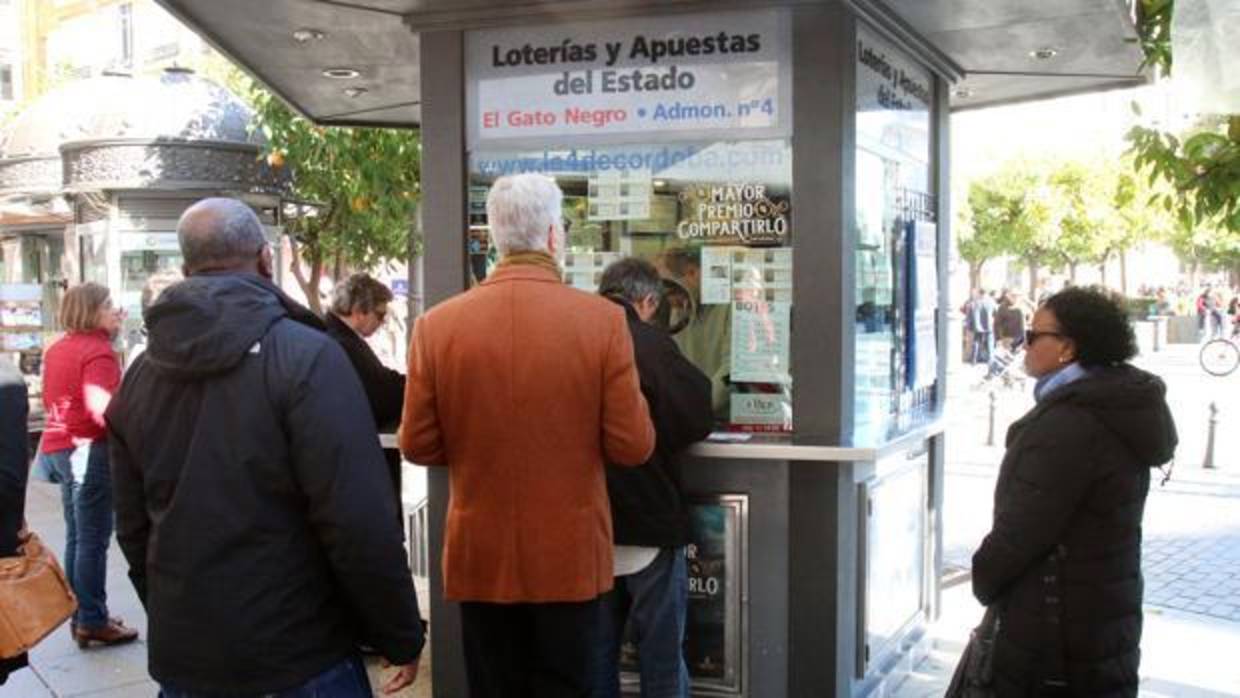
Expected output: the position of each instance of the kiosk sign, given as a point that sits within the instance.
(641, 77)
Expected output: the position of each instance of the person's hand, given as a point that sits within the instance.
(404, 676)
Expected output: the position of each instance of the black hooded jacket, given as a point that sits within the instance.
(251, 497)
(647, 507)
(1063, 558)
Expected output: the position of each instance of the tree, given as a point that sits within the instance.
(1011, 212)
(978, 244)
(1203, 167)
(1140, 218)
(357, 190)
(1082, 198)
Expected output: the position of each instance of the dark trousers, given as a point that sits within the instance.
(530, 650)
(345, 679)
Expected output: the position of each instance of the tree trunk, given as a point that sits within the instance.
(1102, 271)
(1072, 272)
(1033, 280)
(309, 283)
(1123, 272)
(975, 275)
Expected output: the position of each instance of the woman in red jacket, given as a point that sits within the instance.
(80, 374)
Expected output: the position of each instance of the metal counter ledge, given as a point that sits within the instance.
(761, 447)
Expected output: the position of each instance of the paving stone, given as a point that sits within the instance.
(25, 683)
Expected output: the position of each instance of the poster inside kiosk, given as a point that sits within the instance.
(694, 75)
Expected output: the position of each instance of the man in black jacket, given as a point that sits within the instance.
(251, 497)
(14, 466)
(359, 307)
(651, 522)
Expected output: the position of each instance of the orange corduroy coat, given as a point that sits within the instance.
(522, 387)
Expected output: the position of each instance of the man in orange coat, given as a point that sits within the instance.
(523, 387)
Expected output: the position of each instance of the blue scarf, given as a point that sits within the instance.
(1050, 382)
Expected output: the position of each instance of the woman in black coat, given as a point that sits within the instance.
(14, 466)
(1062, 562)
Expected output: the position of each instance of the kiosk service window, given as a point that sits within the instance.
(670, 141)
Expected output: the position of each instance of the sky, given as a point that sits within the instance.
(1079, 127)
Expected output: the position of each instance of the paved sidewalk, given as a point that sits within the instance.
(1183, 655)
(58, 669)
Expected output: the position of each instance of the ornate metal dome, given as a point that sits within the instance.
(176, 104)
(174, 130)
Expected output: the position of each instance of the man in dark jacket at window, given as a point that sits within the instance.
(252, 502)
(359, 307)
(651, 522)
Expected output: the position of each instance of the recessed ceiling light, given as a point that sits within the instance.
(1044, 54)
(305, 35)
(355, 92)
(660, 183)
(341, 73)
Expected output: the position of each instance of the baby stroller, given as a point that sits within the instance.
(1006, 367)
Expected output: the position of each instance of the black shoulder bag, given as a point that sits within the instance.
(975, 673)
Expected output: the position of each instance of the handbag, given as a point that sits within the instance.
(35, 597)
(975, 672)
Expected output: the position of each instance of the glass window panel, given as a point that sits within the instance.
(714, 218)
(896, 274)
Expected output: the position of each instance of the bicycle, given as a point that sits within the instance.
(1219, 357)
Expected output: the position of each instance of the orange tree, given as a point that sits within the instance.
(355, 191)
(1202, 166)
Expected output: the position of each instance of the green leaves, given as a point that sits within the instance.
(1154, 33)
(1204, 171)
(1058, 214)
(362, 181)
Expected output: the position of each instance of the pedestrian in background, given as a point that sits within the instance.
(252, 501)
(649, 515)
(14, 466)
(154, 286)
(1009, 321)
(1062, 562)
(523, 387)
(80, 375)
(980, 320)
(358, 309)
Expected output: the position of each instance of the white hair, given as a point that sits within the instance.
(520, 210)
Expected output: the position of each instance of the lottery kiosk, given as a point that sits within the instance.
(784, 166)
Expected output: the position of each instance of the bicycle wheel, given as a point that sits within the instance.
(1219, 357)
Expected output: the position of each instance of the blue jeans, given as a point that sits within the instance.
(86, 493)
(346, 679)
(654, 601)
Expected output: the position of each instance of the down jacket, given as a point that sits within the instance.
(1063, 558)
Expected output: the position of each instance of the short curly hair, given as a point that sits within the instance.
(1096, 322)
(360, 292)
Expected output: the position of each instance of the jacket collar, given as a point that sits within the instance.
(629, 311)
(296, 311)
(333, 322)
(522, 272)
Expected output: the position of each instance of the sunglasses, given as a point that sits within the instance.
(1031, 336)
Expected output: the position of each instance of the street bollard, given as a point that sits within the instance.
(1210, 437)
(990, 431)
